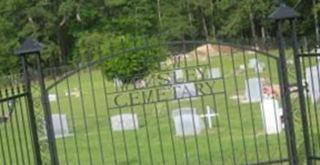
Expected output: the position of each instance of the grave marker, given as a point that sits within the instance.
(178, 75)
(271, 116)
(209, 115)
(253, 91)
(52, 97)
(187, 122)
(214, 73)
(60, 125)
(126, 121)
(312, 74)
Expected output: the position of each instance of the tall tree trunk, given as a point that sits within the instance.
(316, 23)
(205, 28)
(61, 34)
(214, 32)
(159, 12)
(253, 30)
(263, 34)
(63, 40)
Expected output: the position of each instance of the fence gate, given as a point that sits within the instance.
(200, 103)
(18, 133)
(205, 103)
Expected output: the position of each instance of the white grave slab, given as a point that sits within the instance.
(312, 74)
(60, 125)
(52, 97)
(271, 116)
(214, 73)
(253, 91)
(126, 121)
(178, 75)
(187, 122)
(185, 90)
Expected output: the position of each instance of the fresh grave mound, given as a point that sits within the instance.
(202, 52)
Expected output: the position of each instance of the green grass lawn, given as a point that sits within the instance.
(237, 136)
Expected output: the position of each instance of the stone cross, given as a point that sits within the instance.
(209, 115)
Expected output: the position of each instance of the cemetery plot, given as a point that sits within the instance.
(187, 122)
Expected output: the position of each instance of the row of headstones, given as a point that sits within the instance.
(186, 120)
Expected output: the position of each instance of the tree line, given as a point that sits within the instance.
(74, 28)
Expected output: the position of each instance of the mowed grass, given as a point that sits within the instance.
(237, 137)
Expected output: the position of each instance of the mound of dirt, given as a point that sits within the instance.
(209, 49)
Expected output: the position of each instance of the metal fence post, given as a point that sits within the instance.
(47, 113)
(281, 14)
(33, 124)
(29, 47)
(300, 90)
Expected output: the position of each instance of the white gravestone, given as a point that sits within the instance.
(185, 90)
(209, 115)
(124, 122)
(52, 97)
(60, 125)
(242, 67)
(256, 65)
(187, 122)
(214, 73)
(312, 74)
(253, 91)
(253, 63)
(178, 75)
(259, 67)
(271, 116)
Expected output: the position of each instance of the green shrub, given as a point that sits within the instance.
(142, 57)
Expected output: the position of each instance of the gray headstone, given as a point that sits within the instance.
(60, 125)
(312, 74)
(187, 122)
(253, 63)
(52, 97)
(214, 73)
(253, 91)
(127, 121)
(257, 65)
(185, 90)
(178, 75)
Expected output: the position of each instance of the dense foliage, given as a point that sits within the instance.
(72, 28)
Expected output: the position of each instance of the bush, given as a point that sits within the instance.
(143, 56)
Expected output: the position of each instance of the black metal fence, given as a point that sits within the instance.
(199, 107)
(205, 103)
